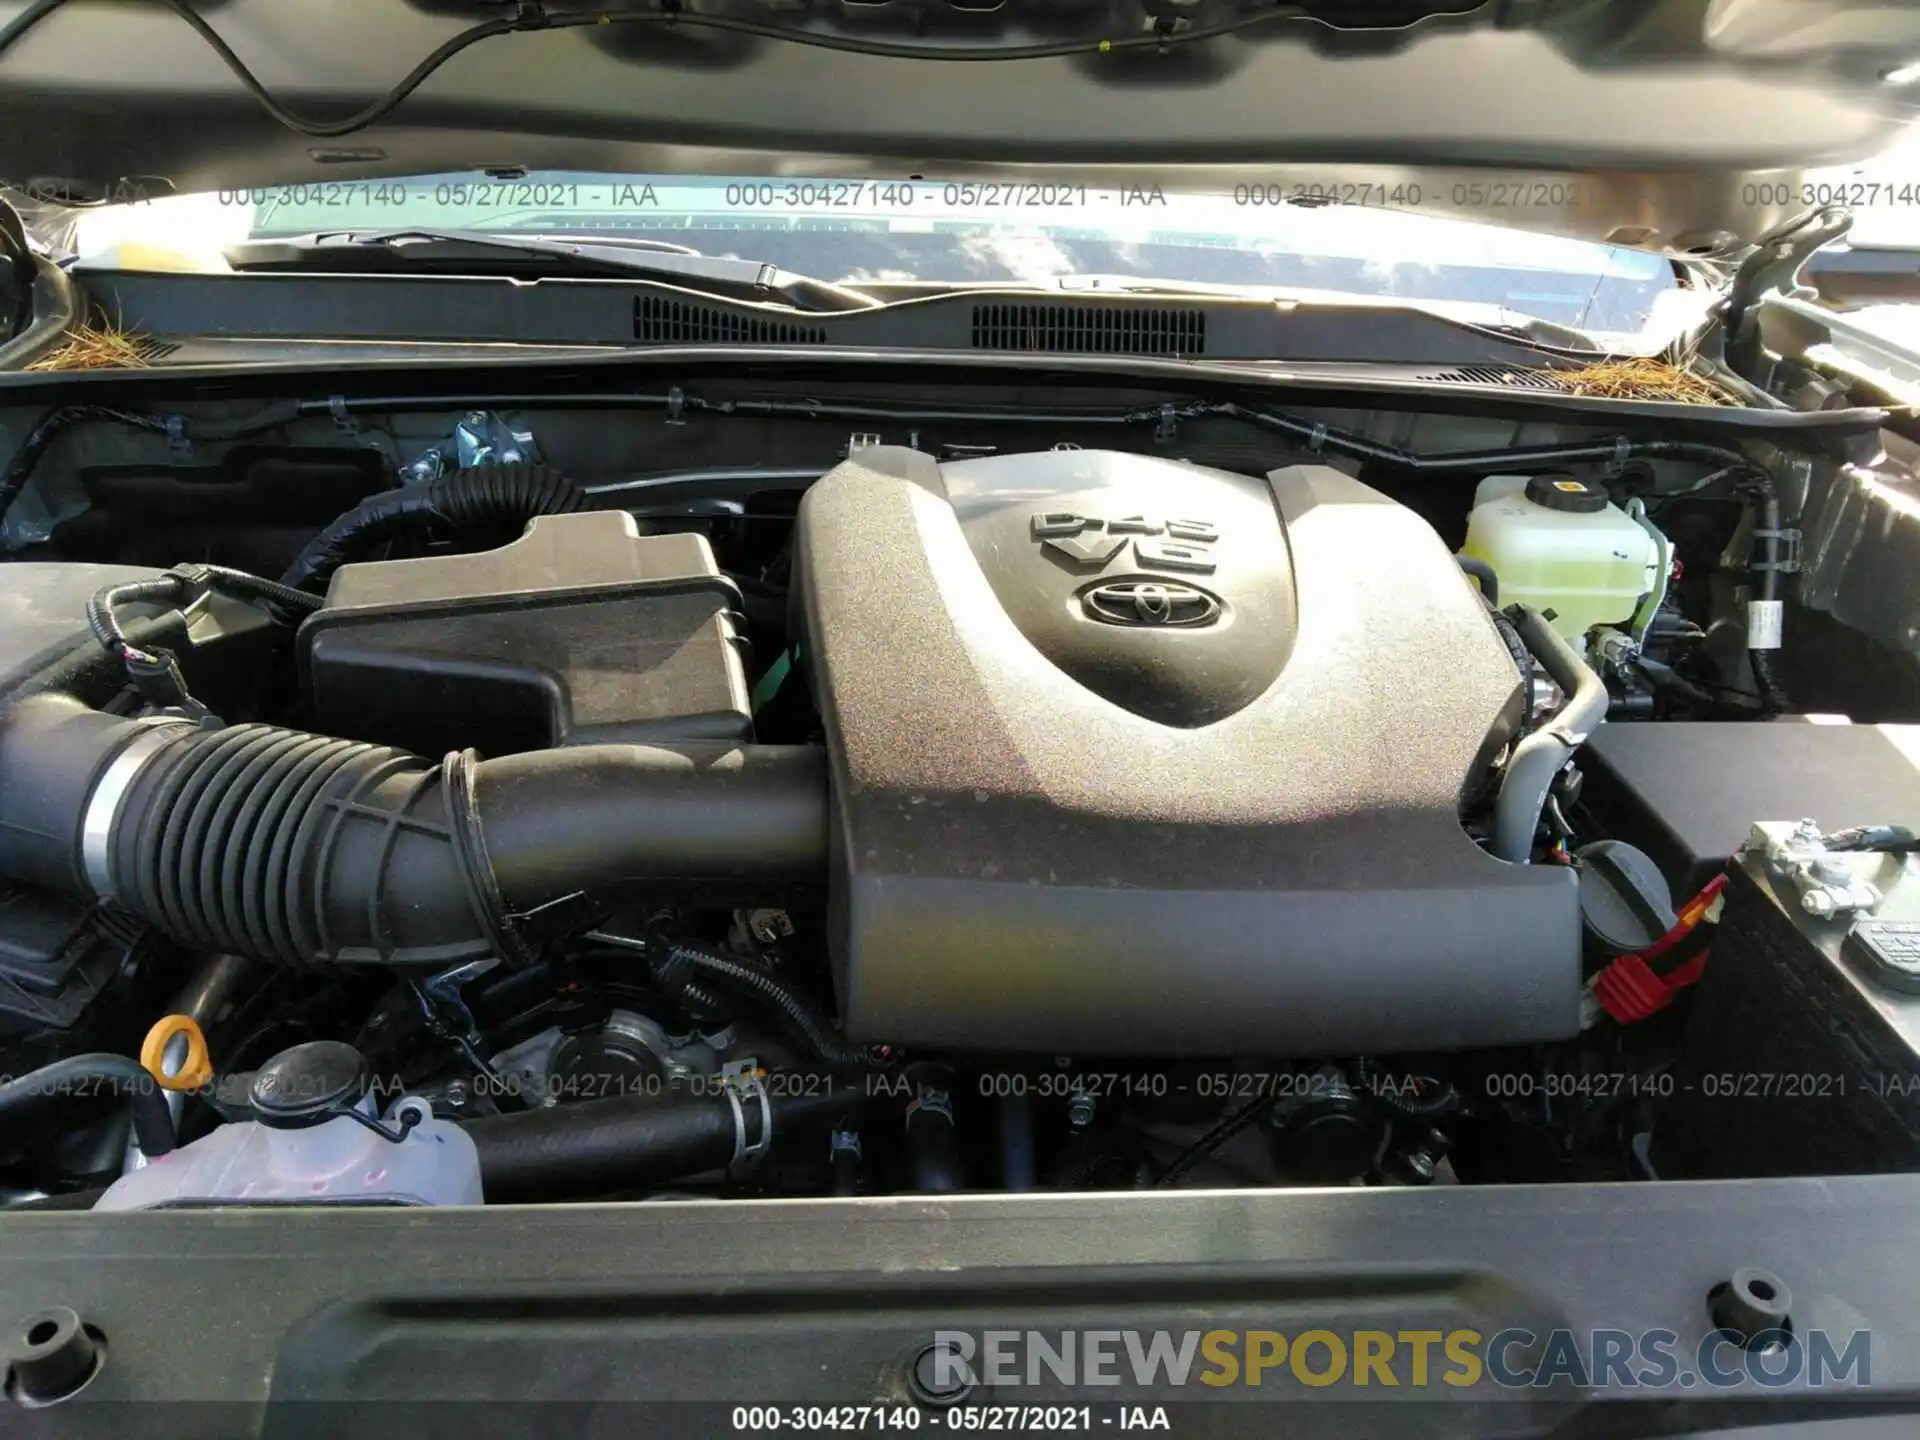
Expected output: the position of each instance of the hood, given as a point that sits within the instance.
(1679, 126)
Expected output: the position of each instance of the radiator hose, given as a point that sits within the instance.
(1538, 757)
(490, 502)
(298, 848)
(593, 1147)
(85, 1076)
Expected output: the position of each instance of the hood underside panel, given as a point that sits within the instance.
(1670, 113)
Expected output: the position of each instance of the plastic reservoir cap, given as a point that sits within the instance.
(308, 1085)
(1563, 492)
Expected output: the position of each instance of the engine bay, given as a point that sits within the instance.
(424, 808)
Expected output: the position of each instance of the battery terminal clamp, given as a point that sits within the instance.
(1828, 878)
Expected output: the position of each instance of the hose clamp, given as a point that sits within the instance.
(743, 1083)
(476, 866)
(110, 794)
(1788, 556)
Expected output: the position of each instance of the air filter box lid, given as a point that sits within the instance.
(581, 632)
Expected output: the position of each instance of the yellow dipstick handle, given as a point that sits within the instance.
(192, 1072)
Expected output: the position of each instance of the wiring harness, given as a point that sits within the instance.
(156, 672)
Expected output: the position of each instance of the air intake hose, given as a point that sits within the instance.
(297, 848)
(492, 502)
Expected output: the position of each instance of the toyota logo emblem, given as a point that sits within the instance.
(1151, 604)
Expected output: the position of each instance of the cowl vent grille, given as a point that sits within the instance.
(1513, 377)
(1089, 329)
(658, 321)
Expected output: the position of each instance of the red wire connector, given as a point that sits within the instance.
(1631, 988)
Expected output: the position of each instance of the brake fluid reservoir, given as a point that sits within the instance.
(1558, 544)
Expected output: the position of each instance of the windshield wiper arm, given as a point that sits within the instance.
(468, 252)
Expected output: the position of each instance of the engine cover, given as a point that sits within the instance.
(1132, 756)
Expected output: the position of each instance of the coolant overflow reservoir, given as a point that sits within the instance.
(316, 1138)
(1560, 545)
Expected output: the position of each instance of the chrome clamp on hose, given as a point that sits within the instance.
(110, 793)
(744, 1085)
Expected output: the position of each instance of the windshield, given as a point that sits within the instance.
(1284, 234)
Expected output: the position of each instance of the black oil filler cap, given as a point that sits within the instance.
(1625, 903)
(1563, 492)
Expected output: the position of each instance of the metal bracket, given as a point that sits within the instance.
(676, 405)
(447, 1017)
(343, 418)
(1773, 269)
(863, 440)
(1789, 561)
(1167, 428)
(444, 990)
(179, 444)
(1622, 453)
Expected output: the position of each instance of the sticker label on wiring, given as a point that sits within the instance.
(1764, 619)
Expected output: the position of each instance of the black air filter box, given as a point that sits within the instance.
(581, 632)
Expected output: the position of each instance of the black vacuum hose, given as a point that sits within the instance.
(297, 848)
(1441, 1098)
(1484, 573)
(487, 501)
(598, 1146)
(80, 1076)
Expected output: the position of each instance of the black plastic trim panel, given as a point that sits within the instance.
(386, 375)
(653, 1318)
(604, 312)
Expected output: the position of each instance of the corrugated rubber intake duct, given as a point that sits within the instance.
(299, 848)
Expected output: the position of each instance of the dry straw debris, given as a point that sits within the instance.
(1643, 378)
(95, 347)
